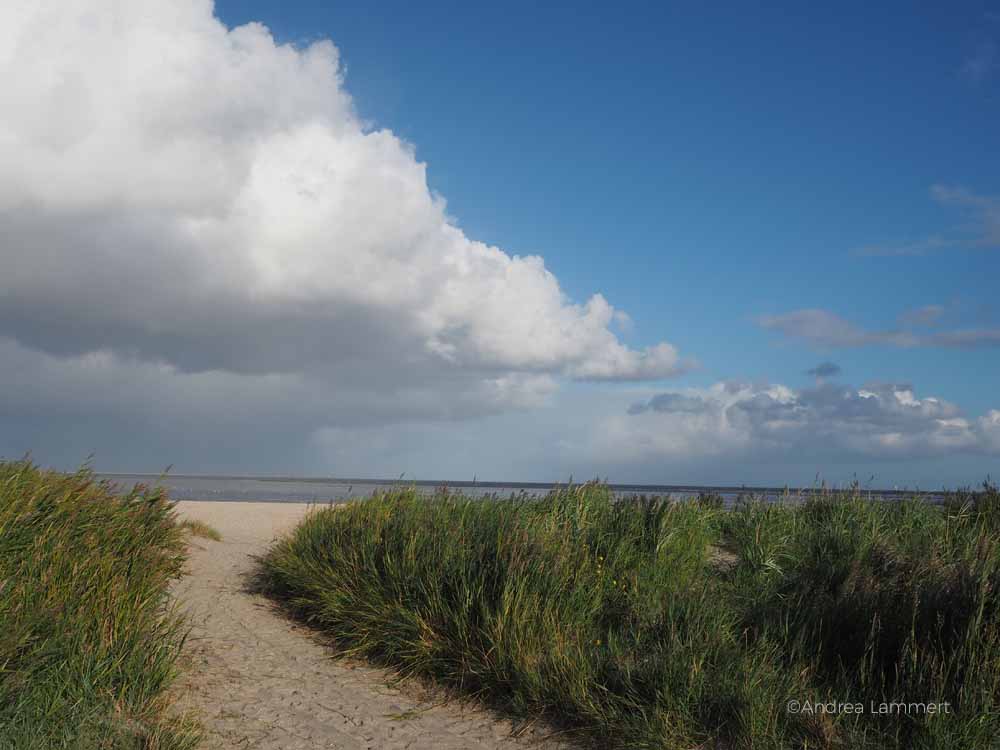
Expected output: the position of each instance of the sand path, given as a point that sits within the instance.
(259, 681)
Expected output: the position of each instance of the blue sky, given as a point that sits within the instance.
(227, 255)
(702, 165)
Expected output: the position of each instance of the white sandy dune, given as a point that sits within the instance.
(259, 681)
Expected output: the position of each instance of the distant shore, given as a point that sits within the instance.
(223, 487)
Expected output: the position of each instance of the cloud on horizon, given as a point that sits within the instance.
(733, 420)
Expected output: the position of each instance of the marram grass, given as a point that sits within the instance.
(88, 639)
(651, 624)
(201, 529)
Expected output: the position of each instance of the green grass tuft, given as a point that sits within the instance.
(651, 624)
(88, 638)
(201, 529)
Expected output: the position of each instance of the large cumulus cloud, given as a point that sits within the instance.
(202, 198)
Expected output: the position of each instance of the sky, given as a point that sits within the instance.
(650, 242)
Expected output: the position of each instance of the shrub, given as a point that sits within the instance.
(87, 637)
(601, 615)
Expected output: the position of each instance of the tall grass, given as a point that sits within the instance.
(648, 623)
(87, 638)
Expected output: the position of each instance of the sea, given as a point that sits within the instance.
(327, 490)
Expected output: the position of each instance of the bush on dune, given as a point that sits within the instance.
(88, 640)
(885, 602)
(618, 621)
(594, 612)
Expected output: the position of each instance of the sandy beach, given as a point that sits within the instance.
(259, 681)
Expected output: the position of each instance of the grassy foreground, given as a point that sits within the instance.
(87, 638)
(649, 624)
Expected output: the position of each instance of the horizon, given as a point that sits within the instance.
(819, 486)
(648, 242)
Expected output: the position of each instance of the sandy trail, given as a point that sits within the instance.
(260, 681)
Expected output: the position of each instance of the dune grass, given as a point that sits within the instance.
(88, 640)
(201, 529)
(651, 624)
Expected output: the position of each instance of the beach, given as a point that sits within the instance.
(407, 621)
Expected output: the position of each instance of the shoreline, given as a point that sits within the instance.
(514, 486)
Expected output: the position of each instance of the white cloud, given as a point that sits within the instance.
(922, 316)
(823, 328)
(202, 200)
(825, 423)
(982, 213)
(919, 247)
(989, 428)
(980, 228)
